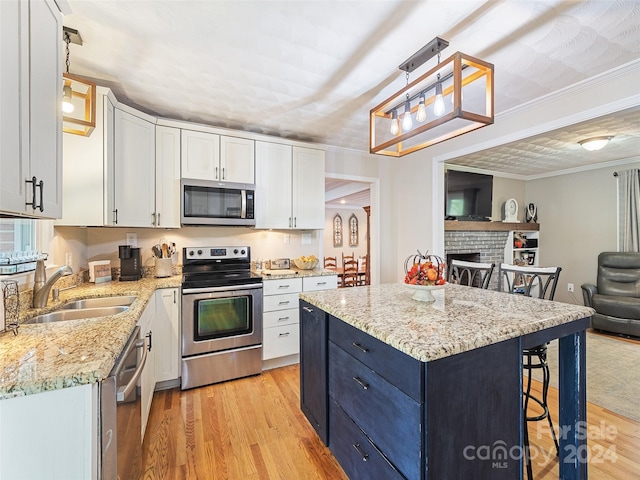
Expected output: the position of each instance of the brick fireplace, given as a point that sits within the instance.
(488, 239)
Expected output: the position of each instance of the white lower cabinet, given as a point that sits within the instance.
(148, 377)
(51, 434)
(281, 317)
(167, 335)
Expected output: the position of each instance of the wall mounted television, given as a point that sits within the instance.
(468, 195)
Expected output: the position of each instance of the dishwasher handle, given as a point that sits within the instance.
(125, 391)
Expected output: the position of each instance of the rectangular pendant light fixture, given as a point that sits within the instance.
(79, 95)
(461, 90)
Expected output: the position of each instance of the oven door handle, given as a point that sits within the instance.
(187, 291)
(125, 391)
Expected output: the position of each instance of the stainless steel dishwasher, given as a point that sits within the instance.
(121, 413)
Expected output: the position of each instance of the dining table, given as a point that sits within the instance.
(340, 270)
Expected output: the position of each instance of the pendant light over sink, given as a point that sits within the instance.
(78, 94)
(435, 119)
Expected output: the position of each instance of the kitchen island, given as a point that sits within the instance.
(418, 390)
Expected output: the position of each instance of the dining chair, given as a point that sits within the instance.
(537, 282)
(350, 273)
(471, 274)
(330, 263)
(363, 270)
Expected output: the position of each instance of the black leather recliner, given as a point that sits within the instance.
(616, 298)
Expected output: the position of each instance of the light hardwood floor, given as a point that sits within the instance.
(252, 428)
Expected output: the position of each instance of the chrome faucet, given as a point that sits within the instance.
(42, 286)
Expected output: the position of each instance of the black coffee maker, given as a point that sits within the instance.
(130, 264)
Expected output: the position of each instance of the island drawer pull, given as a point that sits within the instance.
(307, 309)
(285, 334)
(362, 453)
(361, 383)
(360, 347)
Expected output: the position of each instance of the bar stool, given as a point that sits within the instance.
(537, 282)
(471, 274)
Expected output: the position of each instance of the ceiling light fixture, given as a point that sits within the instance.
(78, 95)
(450, 77)
(595, 143)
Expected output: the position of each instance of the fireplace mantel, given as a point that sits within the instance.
(461, 226)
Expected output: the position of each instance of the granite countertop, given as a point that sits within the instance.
(51, 356)
(461, 319)
(293, 273)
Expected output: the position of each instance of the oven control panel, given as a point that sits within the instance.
(216, 253)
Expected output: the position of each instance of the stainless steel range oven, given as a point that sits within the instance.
(221, 316)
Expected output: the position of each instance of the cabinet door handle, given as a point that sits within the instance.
(359, 381)
(295, 222)
(216, 174)
(174, 296)
(115, 216)
(360, 347)
(150, 336)
(285, 334)
(33, 182)
(41, 185)
(289, 220)
(362, 453)
(153, 219)
(307, 309)
(223, 173)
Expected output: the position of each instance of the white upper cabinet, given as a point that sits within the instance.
(207, 156)
(273, 185)
(167, 177)
(289, 187)
(237, 160)
(31, 115)
(133, 171)
(308, 188)
(200, 155)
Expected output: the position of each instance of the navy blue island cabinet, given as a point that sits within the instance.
(387, 413)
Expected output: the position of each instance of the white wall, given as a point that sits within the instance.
(577, 216)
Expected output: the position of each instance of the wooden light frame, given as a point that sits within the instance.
(381, 115)
(82, 120)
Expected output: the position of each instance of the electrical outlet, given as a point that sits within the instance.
(569, 287)
(68, 258)
(287, 238)
(306, 239)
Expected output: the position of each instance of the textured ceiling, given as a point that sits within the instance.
(312, 70)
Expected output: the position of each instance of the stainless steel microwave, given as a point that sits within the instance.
(206, 202)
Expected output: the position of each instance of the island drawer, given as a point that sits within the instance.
(283, 285)
(389, 417)
(359, 458)
(383, 359)
(280, 302)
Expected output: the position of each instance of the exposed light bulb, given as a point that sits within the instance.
(394, 123)
(67, 105)
(421, 115)
(407, 123)
(438, 105)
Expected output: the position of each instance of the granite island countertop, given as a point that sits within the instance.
(461, 319)
(51, 356)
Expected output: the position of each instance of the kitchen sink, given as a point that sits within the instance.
(78, 313)
(99, 302)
